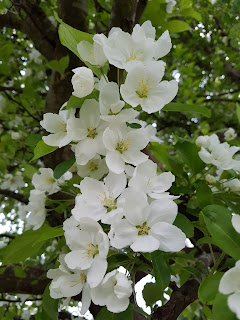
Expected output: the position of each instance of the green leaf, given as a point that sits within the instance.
(151, 294)
(50, 305)
(42, 149)
(182, 107)
(177, 26)
(184, 224)
(29, 170)
(59, 65)
(70, 37)
(104, 314)
(161, 153)
(33, 139)
(160, 269)
(204, 194)
(209, 288)
(134, 125)
(75, 102)
(221, 310)
(49, 233)
(219, 225)
(189, 152)
(190, 12)
(62, 167)
(28, 244)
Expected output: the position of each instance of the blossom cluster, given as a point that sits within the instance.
(224, 157)
(123, 203)
(45, 184)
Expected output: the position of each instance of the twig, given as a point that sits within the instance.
(13, 195)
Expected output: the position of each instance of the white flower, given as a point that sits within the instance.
(236, 222)
(233, 185)
(170, 5)
(124, 145)
(16, 135)
(113, 292)
(82, 81)
(147, 228)
(230, 284)
(46, 182)
(56, 124)
(13, 182)
(36, 206)
(122, 50)
(161, 47)
(99, 200)
(111, 105)
(210, 179)
(87, 129)
(89, 245)
(68, 283)
(92, 53)
(143, 86)
(145, 179)
(218, 154)
(230, 134)
(35, 56)
(96, 168)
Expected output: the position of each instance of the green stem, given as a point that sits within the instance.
(214, 268)
(212, 253)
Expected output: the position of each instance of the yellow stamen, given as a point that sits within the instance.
(133, 56)
(92, 250)
(92, 132)
(122, 146)
(92, 165)
(143, 88)
(143, 229)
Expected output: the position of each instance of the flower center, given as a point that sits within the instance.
(143, 229)
(109, 203)
(92, 166)
(143, 88)
(133, 56)
(92, 132)
(92, 250)
(62, 126)
(83, 278)
(50, 180)
(122, 146)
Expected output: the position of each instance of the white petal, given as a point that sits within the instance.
(115, 162)
(110, 139)
(234, 303)
(163, 45)
(78, 259)
(171, 238)
(97, 271)
(236, 222)
(134, 157)
(229, 282)
(164, 210)
(89, 113)
(86, 298)
(145, 244)
(116, 183)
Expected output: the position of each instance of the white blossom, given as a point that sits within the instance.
(89, 245)
(56, 124)
(88, 130)
(36, 206)
(170, 5)
(147, 228)
(161, 47)
(143, 86)
(98, 200)
(46, 182)
(230, 134)
(68, 283)
(13, 182)
(124, 145)
(122, 50)
(82, 81)
(236, 222)
(92, 53)
(96, 168)
(113, 292)
(230, 285)
(145, 179)
(216, 153)
(111, 107)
